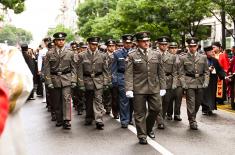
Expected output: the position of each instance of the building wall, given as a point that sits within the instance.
(216, 31)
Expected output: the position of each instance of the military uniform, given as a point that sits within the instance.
(145, 77)
(75, 91)
(94, 76)
(168, 60)
(60, 75)
(109, 101)
(177, 93)
(118, 80)
(195, 78)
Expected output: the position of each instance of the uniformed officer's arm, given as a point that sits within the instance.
(80, 81)
(114, 69)
(206, 72)
(161, 73)
(106, 73)
(129, 73)
(73, 69)
(47, 70)
(181, 72)
(174, 73)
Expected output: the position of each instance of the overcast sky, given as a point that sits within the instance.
(38, 16)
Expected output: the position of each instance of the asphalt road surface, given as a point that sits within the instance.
(216, 135)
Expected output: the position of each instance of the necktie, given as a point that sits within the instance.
(59, 52)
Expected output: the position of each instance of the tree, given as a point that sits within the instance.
(90, 11)
(227, 7)
(62, 28)
(175, 18)
(14, 35)
(16, 5)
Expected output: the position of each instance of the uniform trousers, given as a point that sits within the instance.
(145, 117)
(194, 98)
(62, 100)
(94, 106)
(175, 102)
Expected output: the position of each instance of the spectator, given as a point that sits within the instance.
(4, 103)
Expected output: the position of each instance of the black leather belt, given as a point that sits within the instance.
(93, 75)
(60, 73)
(194, 75)
(168, 74)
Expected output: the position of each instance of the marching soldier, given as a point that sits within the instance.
(118, 80)
(108, 94)
(168, 60)
(177, 93)
(82, 47)
(93, 77)
(60, 75)
(145, 81)
(195, 78)
(119, 44)
(75, 96)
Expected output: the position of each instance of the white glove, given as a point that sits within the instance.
(162, 92)
(129, 94)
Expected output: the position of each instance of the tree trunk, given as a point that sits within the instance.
(223, 28)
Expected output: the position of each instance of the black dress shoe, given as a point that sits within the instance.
(161, 126)
(53, 118)
(169, 117)
(193, 126)
(124, 126)
(88, 123)
(143, 141)
(79, 112)
(177, 118)
(131, 123)
(100, 126)
(67, 125)
(58, 124)
(116, 117)
(151, 134)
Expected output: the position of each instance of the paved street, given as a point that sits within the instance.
(216, 135)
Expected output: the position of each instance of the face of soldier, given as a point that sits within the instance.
(163, 47)
(173, 50)
(127, 45)
(60, 43)
(83, 49)
(192, 48)
(93, 47)
(111, 48)
(119, 46)
(74, 48)
(144, 44)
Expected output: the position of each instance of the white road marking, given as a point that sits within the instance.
(151, 142)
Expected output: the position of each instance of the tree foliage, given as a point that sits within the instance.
(174, 18)
(16, 5)
(14, 35)
(62, 28)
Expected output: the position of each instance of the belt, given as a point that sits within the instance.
(194, 75)
(121, 71)
(93, 74)
(60, 73)
(168, 74)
